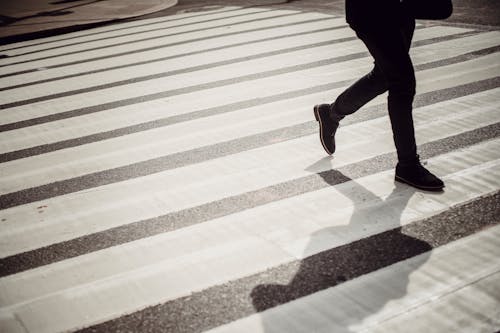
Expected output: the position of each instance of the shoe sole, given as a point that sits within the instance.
(425, 188)
(318, 118)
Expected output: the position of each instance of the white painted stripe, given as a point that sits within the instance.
(134, 114)
(137, 46)
(173, 82)
(472, 308)
(38, 170)
(97, 209)
(171, 51)
(139, 89)
(177, 81)
(92, 37)
(89, 80)
(445, 290)
(111, 282)
(292, 111)
(9, 323)
(168, 29)
(82, 36)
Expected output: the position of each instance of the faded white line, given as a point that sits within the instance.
(169, 51)
(441, 291)
(80, 213)
(163, 141)
(109, 283)
(139, 45)
(90, 37)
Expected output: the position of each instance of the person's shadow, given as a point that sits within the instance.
(332, 267)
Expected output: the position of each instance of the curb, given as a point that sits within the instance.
(78, 27)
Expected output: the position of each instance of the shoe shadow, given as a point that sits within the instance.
(325, 267)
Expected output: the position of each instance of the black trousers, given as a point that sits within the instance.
(389, 46)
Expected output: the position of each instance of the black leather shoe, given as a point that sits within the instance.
(327, 127)
(417, 176)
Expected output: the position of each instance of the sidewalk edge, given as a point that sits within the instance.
(78, 27)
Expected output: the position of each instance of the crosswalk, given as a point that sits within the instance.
(167, 175)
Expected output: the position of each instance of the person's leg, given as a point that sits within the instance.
(359, 93)
(372, 84)
(351, 100)
(389, 47)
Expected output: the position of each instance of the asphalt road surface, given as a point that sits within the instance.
(166, 175)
